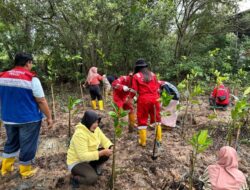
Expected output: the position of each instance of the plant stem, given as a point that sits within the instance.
(192, 160)
(81, 90)
(237, 138)
(53, 101)
(113, 164)
(69, 124)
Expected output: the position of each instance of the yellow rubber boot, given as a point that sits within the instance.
(142, 137)
(27, 171)
(159, 133)
(7, 165)
(100, 102)
(131, 120)
(93, 103)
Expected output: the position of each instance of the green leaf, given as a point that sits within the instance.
(212, 116)
(122, 113)
(123, 123)
(195, 102)
(202, 137)
(246, 92)
(112, 114)
(118, 131)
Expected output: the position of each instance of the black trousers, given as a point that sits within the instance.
(85, 172)
(95, 92)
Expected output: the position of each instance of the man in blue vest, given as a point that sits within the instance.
(22, 103)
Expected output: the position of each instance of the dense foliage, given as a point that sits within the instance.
(174, 36)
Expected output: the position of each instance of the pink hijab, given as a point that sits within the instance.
(92, 74)
(225, 174)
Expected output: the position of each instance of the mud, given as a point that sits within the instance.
(135, 168)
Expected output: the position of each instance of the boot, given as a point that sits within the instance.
(26, 171)
(7, 165)
(142, 137)
(98, 170)
(74, 182)
(93, 103)
(131, 119)
(100, 102)
(159, 133)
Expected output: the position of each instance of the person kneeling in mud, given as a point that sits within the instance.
(220, 97)
(84, 156)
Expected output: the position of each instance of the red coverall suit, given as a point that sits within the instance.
(221, 95)
(147, 104)
(124, 99)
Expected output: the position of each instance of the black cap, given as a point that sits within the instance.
(89, 118)
(141, 63)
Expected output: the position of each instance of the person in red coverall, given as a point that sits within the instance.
(147, 87)
(122, 97)
(220, 96)
(93, 81)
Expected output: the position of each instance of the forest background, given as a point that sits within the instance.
(67, 37)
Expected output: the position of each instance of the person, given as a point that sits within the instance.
(122, 97)
(220, 96)
(83, 156)
(111, 78)
(170, 89)
(93, 81)
(22, 104)
(146, 85)
(224, 175)
(106, 85)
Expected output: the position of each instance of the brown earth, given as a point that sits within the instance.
(134, 167)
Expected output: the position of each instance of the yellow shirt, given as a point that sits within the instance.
(84, 145)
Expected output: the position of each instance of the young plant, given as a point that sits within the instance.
(239, 116)
(72, 103)
(200, 142)
(52, 75)
(117, 116)
(165, 98)
(190, 90)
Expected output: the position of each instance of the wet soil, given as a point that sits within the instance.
(135, 168)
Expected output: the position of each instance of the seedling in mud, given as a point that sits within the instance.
(239, 115)
(200, 142)
(72, 103)
(117, 116)
(52, 75)
(165, 98)
(190, 90)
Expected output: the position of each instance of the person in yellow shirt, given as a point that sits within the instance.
(84, 155)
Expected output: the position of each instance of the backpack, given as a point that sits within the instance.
(222, 93)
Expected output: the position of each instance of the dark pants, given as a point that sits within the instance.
(212, 102)
(95, 92)
(23, 137)
(85, 172)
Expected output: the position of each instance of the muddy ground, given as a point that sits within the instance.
(135, 168)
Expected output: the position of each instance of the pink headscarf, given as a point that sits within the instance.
(92, 74)
(225, 174)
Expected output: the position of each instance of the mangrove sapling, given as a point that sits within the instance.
(190, 90)
(106, 65)
(200, 142)
(52, 75)
(239, 115)
(117, 116)
(72, 103)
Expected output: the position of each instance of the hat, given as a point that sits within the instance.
(141, 63)
(89, 118)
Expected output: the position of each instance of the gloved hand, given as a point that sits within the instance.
(125, 89)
